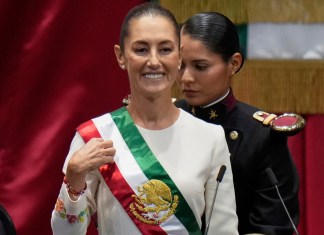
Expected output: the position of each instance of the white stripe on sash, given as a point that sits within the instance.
(129, 168)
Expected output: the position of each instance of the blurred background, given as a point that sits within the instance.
(58, 69)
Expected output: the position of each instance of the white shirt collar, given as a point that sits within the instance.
(218, 100)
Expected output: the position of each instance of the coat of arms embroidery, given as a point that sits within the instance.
(155, 202)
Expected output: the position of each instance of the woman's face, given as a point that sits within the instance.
(151, 55)
(204, 76)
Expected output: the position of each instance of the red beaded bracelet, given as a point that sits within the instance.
(71, 190)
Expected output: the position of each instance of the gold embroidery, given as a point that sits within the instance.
(213, 114)
(193, 111)
(154, 203)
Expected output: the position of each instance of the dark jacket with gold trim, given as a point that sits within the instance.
(255, 147)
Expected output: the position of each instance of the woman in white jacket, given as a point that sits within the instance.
(149, 167)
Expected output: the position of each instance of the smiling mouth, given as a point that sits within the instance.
(152, 76)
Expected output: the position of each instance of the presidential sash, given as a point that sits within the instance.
(137, 179)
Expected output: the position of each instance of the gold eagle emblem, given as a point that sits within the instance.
(154, 203)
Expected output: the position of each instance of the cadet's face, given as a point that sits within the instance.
(204, 76)
(151, 54)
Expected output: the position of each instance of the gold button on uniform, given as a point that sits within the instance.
(233, 135)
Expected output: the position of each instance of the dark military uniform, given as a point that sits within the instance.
(254, 147)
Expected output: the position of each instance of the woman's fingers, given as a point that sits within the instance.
(95, 153)
(106, 143)
(106, 151)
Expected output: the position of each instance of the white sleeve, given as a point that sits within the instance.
(70, 217)
(224, 219)
(76, 144)
(73, 217)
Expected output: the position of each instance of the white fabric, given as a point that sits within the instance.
(218, 100)
(285, 41)
(191, 151)
(127, 164)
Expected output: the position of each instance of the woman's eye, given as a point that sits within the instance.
(201, 67)
(166, 50)
(140, 50)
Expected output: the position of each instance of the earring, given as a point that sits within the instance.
(122, 67)
(179, 65)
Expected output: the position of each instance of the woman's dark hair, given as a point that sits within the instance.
(217, 32)
(146, 9)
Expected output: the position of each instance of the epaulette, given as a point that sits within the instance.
(287, 123)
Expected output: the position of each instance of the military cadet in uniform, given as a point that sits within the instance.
(257, 140)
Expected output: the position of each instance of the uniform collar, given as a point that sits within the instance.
(216, 112)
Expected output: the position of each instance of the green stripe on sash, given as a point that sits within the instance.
(151, 167)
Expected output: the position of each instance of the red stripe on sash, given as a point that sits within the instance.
(88, 130)
(116, 182)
